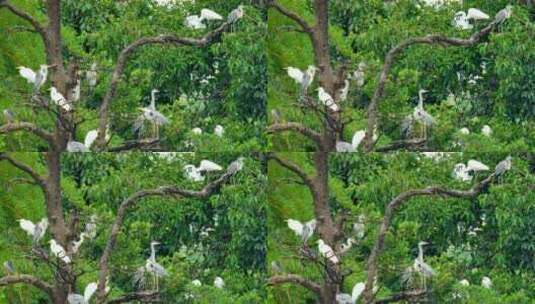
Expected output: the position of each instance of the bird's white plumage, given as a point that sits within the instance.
(196, 283)
(219, 130)
(474, 165)
(327, 100)
(193, 174)
(27, 74)
(196, 131)
(464, 282)
(76, 147)
(219, 283)
(357, 138)
(89, 291)
(357, 291)
(476, 14)
(464, 131)
(90, 138)
(296, 74)
(194, 22)
(344, 91)
(59, 99)
(295, 226)
(486, 282)
(327, 252)
(486, 130)
(209, 166)
(27, 226)
(207, 14)
(59, 251)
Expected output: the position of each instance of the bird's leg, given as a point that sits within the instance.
(157, 283)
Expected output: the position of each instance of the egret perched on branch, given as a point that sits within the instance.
(58, 251)
(476, 166)
(36, 231)
(195, 173)
(59, 99)
(422, 267)
(342, 146)
(460, 21)
(303, 79)
(486, 282)
(327, 100)
(327, 252)
(219, 131)
(37, 79)
(90, 137)
(219, 283)
(476, 14)
(236, 165)
(461, 173)
(503, 166)
(151, 115)
(196, 21)
(504, 14)
(151, 267)
(74, 298)
(304, 231)
(9, 116)
(236, 14)
(344, 298)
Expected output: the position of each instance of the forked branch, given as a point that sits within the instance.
(392, 55)
(204, 193)
(30, 280)
(295, 279)
(37, 178)
(389, 213)
(129, 50)
(308, 180)
(294, 126)
(26, 126)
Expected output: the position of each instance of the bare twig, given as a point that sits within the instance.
(294, 126)
(308, 180)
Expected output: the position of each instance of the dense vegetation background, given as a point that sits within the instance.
(223, 84)
(201, 239)
(366, 30)
(504, 248)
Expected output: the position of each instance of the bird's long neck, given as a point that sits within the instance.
(152, 252)
(153, 100)
(420, 253)
(420, 100)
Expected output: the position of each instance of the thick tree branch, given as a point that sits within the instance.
(204, 193)
(308, 180)
(130, 49)
(294, 126)
(28, 279)
(143, 144)
(140, 296)
(26, 126)
(292, 15)
(389, 213)
(402, 144)
(392, 55)
(40, 180)
(295, 279)
(405, 295)
(22, 14)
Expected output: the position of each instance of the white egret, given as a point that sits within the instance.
(76, 244)
(207, 14)
(359, 75)
(58, 251)
(344, 298)
(152, 267)
(36, 231)
(359, 229)
(304, 231)
(358, 136)
(504, 14)
(236, 14)
(90, 230)
(194, 22)
(90, 137)
(327, 100)
(195, 173)
(486, 130)
(421, 115)
(219, 131)
(344, 248)
(196, 131)
(196, 282)
(303, 79)
(503, 166)
(476, 14)
(460, 21)
(464, 131)
(476, 166)
(59, 99)
(460, 172)
(90, 289)
(219, 283)
(422, 267)
(37, 79)
(464, 282)
(486, 282)
(344, 91)
(327, 252)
